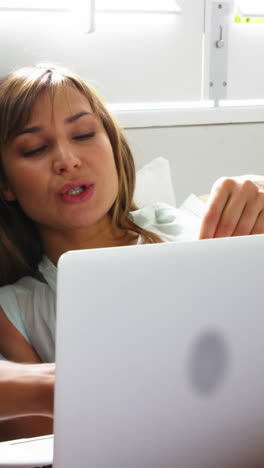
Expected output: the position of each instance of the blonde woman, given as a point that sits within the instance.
(66, 182)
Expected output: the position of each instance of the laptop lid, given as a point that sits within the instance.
(160, 356)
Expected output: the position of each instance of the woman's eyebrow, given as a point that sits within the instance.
(70, 119)
(77, 116)
(29, 130)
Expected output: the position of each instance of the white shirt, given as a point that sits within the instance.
(30, 304)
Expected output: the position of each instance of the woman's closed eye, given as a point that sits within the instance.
(35, 151)
(40, 149)
(84, 136)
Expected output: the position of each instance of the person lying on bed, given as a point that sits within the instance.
(67, 180)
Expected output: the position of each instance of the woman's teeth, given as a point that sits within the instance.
(76, 191)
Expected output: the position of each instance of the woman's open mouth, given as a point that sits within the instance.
(76, 194)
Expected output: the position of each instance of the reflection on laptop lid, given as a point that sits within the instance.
(160, 356)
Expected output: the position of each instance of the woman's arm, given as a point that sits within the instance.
(13, 345)
(37, 384)
(26, 389)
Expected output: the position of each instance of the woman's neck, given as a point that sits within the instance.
(104, 235)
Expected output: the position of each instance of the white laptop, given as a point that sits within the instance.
(159, 359)
(160, 356)
(27, 453)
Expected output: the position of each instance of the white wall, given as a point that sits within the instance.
(245, 61)
(198, 155)
(129, 58)
(134, 62)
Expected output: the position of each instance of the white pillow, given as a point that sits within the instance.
(154, 184)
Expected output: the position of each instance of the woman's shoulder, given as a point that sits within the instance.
(25, 287)
(43, 281)
(14, 300)
(29, 304)
(20, 298)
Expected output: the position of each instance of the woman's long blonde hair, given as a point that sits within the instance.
(20, 245)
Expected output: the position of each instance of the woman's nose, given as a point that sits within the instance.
(65, 161)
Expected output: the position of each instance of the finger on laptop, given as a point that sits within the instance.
(216, 204)
(234, 208)
(252, 218)
(241, 211)
(259, 225)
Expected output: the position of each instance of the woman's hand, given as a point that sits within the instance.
(235, 207)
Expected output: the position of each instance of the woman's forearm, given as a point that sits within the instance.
(26, 389)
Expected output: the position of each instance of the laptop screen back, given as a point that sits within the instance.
(160, 356)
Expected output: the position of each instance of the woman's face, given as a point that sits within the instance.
(61, 166)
